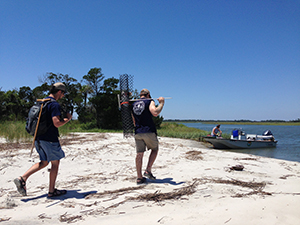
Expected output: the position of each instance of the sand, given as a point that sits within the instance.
(195, 185)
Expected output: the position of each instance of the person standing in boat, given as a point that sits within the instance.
(216, 131)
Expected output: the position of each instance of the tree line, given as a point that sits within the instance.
(94, 99)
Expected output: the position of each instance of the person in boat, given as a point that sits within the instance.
(216, 131)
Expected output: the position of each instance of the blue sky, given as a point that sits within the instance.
(230, 59)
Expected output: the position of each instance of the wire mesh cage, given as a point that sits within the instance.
(126, 88)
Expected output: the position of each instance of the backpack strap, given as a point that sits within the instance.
(44, 102)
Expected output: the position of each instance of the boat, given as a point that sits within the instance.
(240, 140)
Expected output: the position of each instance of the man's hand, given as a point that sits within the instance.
(69, 116)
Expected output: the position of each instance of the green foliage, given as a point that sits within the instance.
(106, 105)
(158, 121)
(93, 79)
(176, 130)
(14, 131)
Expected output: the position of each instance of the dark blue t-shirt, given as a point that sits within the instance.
(53, 109)
(143, 117)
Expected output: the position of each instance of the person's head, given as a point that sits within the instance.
(58, 89)
(145, 93)
(218, 126)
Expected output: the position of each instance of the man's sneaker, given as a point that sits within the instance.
(149, 175)
(141, 180)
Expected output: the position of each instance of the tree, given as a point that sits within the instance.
(85, 90)
(106, 105)
(26, 100)
(93, 79)
(3, 114)
(72, 97)
(13, 104)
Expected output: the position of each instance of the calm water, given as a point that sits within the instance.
(288, 137)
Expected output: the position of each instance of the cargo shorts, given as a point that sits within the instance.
(143, 140)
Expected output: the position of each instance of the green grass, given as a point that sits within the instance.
(14, 131)
(176, 130)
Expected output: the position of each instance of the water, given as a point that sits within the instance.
(288, 137)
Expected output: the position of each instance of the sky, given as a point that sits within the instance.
(217, 59)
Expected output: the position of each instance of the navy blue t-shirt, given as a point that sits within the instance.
(143, 117)
(53, 109)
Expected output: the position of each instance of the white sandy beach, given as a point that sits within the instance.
(195, 185)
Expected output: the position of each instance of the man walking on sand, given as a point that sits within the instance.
(47, 145)
(145, 132)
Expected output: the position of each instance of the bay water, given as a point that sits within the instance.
(288, 137)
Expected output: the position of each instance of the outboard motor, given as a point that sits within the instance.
(267, 133)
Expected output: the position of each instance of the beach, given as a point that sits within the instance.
(195, 185)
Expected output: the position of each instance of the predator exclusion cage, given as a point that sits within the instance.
(126, 88)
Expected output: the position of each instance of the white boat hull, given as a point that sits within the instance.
(222, 143)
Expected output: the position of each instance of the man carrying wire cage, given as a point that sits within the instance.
(145, 132)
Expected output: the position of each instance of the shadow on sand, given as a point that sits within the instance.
(164, 181)
(70, 194)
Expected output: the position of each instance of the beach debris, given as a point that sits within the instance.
(157, 196)
(69, 218)
(43, 216)
(194, 155)
(256, 186)
(237, 167)
(246, 158)
(5, 219)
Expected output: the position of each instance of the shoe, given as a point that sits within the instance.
(21, 185)
(149, 175)
(56, 193)
(141, 180)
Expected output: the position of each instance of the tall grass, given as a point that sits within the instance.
(176, 130)
(14, 131)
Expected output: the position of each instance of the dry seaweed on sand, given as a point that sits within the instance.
(194, 155)
(69, 219)
(14, 146)
(5, 219)
(249, 184)
(158, 196)
(257, 187)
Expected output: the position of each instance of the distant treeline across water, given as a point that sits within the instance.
(253, 122)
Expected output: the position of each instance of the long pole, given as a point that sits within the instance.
(133, 100)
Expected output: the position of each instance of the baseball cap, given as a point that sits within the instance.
(60, 86)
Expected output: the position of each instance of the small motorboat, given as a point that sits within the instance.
(240, 140)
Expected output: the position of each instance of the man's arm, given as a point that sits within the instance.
(155, 111)
(58, 123)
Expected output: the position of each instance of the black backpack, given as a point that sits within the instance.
(37, 115)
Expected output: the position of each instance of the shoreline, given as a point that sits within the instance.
(194, 185)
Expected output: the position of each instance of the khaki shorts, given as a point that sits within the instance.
(144, 140)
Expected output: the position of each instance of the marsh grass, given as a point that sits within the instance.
(176, 130)
(14, 131)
